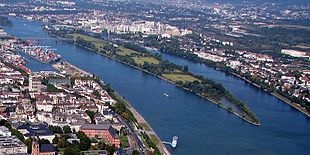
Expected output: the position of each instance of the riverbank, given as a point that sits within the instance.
(145, 125)
(277, 95)
(242, 116)
(169, 81)
(140, 120)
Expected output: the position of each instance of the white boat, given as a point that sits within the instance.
(174, 141)
(167, 95)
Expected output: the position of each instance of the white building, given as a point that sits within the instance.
(44, 106)
(4, 131)
(12, 145)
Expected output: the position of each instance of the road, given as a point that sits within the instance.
(135, 139)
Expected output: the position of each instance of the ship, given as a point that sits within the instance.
(174, 141)
(165, 94)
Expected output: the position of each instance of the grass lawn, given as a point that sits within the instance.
(124, 51)
(154, 139)
(61, 150)
(145, 126)
(98, 42)
(141, 60)
(180, 77)
(124, 141)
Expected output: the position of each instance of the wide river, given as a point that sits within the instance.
(202, 127)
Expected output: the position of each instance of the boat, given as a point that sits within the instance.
(167, 95)
(174, 141)
(43, 54)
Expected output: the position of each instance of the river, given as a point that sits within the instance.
(201, 126)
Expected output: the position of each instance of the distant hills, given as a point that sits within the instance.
(281, 2)
(300, 2)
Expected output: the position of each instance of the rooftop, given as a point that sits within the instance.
(10, 142)
(47, 148)
(35, 129)
(103, 126)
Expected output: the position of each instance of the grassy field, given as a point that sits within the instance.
(61, 150)
(180, 77)
(154, 139)
(145, 126)
(124, 51)
(142, 60)
(98, 42)
(124, 141)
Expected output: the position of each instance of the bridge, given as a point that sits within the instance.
(53, 38)
(43, 38)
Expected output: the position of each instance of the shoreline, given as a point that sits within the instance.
(167, 80)
(275, 94)
(140, 119)
(278, 96)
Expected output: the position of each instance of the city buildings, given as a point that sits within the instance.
(103, 130)
(42, 149)
(10, 144)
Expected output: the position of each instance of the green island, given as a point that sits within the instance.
(140, 58)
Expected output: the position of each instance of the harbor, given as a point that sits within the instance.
(44, 54)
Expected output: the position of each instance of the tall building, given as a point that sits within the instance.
(34, 83)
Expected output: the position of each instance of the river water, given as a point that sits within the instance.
(201, 126)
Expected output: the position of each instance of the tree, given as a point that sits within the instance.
(72, 151)
(28, 143)
(185, 68)
(102, 145)
(96, 93)
(18, 134)
(44, 141)
(5, 123)
(111, 149)
(85, 142)
(91, 115)
(135, 152)
(55, 129)
(67, 129)
(55, 140)
(62, 143)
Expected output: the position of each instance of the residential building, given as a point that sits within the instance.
(103, 130)
(11, 145)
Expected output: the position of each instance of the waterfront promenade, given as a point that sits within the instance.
(148, 129)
